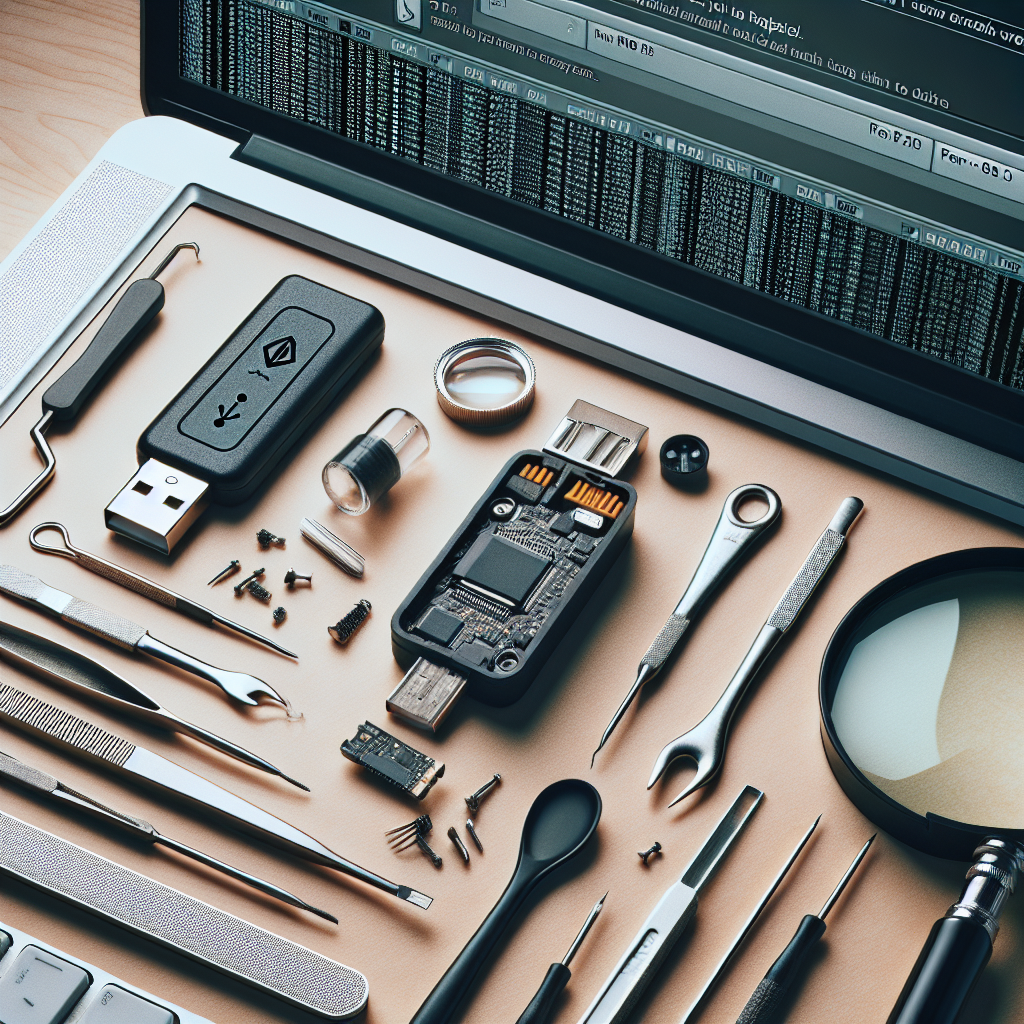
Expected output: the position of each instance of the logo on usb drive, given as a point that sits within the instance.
(229, 413)
(279, 353)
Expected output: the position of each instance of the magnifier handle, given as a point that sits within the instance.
(950, 963)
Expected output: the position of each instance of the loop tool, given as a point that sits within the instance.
(64, 398)
(732, 541)
(705, 743)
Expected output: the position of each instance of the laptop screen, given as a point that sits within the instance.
(850, 174)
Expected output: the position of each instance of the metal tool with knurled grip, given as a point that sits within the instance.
(186, 925)
(128, 635)
(731, 542)
(705, 743)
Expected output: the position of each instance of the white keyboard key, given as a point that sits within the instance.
(116, 1006)
(40, 988)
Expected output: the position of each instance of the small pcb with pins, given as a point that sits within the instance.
(391, 759)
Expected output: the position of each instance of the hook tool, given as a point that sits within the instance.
(64, 398)
(705, 743)
(731, 542)
(147, 588)
(128, 635)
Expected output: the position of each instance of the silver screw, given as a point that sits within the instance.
(471, 829)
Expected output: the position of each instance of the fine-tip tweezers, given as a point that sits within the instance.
(93, 743)
(146, 587)
(128, 635)
(38, 781)
(90, 679)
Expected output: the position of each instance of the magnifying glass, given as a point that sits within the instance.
(922, 719)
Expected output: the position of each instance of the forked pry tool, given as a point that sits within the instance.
(128, 635)
(705, 743)
(64, 398)
(732, 541)
(147, 588)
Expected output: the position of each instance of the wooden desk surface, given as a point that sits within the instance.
(69, 78)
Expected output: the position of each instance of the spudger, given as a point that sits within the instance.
(147, 588)
(763, 1005)
(539, 1008)
(38, 781)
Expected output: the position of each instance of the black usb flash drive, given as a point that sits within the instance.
(227, 429)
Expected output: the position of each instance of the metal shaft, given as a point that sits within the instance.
(844, 881)
(587, 925)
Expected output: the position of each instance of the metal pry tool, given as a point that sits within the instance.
(666, 922)
(732, 540)
(92, 743)
(140, 585)
(39, 782)
(705, 742)
(64, 398)
(128, 635)
(88, 678)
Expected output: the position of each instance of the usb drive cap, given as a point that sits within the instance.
(157, 505)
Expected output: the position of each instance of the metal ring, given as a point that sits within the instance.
(733, 502)
(472, 349)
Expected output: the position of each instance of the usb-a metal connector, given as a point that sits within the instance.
(426, 694)
(157, 505)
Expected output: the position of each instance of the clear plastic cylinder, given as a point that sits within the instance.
(372, 463)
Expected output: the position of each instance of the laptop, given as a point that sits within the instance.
(810, 215)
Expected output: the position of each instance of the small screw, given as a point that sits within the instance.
(473, 801)
(240, 587)
(471, 829)
(266, 538)
(342, 630)
(232, 568)
(279, 615)
(656, 848)
(454, 836)
(259, 592)
(424, 846)
(291, 577)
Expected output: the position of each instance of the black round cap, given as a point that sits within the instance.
(684, 458)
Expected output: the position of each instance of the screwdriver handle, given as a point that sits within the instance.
(141, 302)
(551, 987)
(763, 1005)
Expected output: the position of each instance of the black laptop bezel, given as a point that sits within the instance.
(852, 361)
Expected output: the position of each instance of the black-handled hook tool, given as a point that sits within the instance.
(64, 398)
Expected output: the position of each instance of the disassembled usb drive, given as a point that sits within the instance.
(496, 601)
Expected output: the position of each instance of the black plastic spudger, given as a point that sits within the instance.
(539, 1009)
(63, 399)
(763, 1005)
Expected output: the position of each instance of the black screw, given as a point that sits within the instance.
(473, 800)
(656, 848)
(266, 538)
(423, 845)
(342, 630)
(279, 615)
(232, 568)
(453, 835)
(291, 577)
(240, 587)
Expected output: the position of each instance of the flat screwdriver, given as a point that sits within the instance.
(763, 1005)
(539, 1009)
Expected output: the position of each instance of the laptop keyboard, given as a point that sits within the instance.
(42, 985)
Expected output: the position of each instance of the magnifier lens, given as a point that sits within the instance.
(930, 701)
(485, 381)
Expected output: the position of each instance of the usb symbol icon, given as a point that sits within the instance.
(230, 414)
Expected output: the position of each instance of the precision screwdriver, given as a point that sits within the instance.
(539, 1009)
(763, 1005)
(39, 782)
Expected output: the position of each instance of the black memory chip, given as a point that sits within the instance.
(439, 626)
(505, 568)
